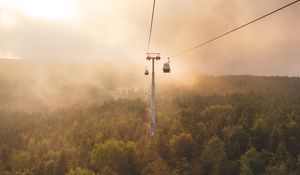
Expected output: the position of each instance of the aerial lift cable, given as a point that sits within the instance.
(151, 25)
(233, 30)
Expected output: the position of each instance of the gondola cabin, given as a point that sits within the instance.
(146, 72)
(166, 68)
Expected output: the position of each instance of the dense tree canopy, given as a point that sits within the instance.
(243, 132)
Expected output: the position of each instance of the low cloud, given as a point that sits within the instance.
(118, 30)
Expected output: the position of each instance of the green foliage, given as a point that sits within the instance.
(254, 162)
(213, 155)
(248, 162)
(158, 166)
(115, 155)
(80, 171)
(259, 134)
(20, 160)
(236, 141)
(61, 166)
(183, 146)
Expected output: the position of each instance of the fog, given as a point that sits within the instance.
(118, 31)
(28, 85)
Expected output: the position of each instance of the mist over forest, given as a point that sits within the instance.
(44, 85)
(39, 85)
(92, 118)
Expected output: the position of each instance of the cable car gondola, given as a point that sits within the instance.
(146, 71)
(166, 67)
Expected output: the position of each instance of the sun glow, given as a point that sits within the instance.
(7, 20)
(53, 10)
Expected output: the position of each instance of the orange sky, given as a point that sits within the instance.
(118, 30)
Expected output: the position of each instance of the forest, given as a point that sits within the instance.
(218, 125)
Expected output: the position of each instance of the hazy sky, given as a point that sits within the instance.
(118, 30)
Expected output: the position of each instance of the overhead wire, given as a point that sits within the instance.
(233, 30)
(151, 25)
